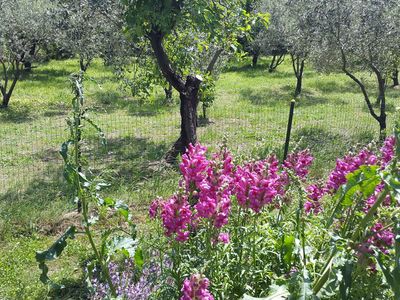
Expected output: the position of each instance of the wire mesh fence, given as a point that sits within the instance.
(29, 150)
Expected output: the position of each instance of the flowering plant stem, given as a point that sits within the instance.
(355, 237)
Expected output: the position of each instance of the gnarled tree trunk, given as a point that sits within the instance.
(276, 61)
(254, 62)
(188, 92)
(6, 91)
(188, 110)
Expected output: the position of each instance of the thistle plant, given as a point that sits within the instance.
(86, 192)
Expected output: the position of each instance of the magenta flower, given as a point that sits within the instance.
(176, 216)
(382, 238)
(314, 194)
(196, 288)
(194, 166)
(224, 238)
(299, 162)
(372, 199)
(258, 184)
(153, 210)
(347, 165)
(387, 150)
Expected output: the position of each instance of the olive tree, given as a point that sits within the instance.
(202, 22)
(360, 35)
(272, 41)
(287, 33)
(299, 28)
(24, 27)
(90, 29)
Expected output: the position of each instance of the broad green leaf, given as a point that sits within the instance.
(138, 258)
(277, 293)
(126, 245)
(52, 253)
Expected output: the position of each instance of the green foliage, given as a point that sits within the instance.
(52, 253)
(114, 241)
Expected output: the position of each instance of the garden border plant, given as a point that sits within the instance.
(118, 239)
(222, 215)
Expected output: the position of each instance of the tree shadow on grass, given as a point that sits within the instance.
(27, 207)
(326, 146)
(278, 97)
(72, 289)
(265, 97)
(33, 207)
(133, 159)
(113, 100)
(16, 114)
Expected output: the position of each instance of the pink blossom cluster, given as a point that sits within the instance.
(194, 167)
(349, 164)
(196, 288)
(382, 238)
(299, 162)
(314, 194)
(215, 189)
(387, 150)
(372, 199)
(176, 216)
(346, 165)
(258, 184)
(207, 188)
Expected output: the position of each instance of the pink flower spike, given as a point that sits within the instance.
(196, 288)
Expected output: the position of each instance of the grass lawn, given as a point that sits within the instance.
(250, 112)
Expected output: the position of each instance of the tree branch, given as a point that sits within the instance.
(213, 61)
(360, 84)
(15, 79)
(156, 38)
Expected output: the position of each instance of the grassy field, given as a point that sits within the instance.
(250, 112)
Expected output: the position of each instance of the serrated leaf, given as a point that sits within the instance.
(52, 253)
(125, 245)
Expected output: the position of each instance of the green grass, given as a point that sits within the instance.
(250, 111)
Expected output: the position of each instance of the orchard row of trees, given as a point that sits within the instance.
(348, 36)
(182, 44)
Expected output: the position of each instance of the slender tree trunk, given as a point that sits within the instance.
(168, 94)
(298, 68)
(382, 99)
(188, 110)
(272, 64)
(28, 63)
(395, 77)
(3, 88)
(6, 100)
(84, 65)
(256, 55)
(299, 85)
(381, 118)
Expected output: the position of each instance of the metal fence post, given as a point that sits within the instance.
(289, 129)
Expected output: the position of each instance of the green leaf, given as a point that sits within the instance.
(138, 258)
(125, 245)
(346, 283)
(277, 293)
(288, 247)
(52, 253)
(306, 290)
